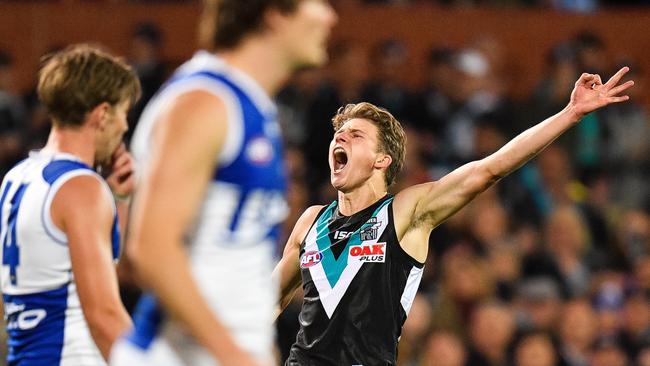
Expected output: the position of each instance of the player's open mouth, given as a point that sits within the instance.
(340, 159)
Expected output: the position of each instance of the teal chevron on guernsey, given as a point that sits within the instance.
(334, 267)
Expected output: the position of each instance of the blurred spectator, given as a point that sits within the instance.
(608, 302)
(591, 57)
(568, 240)
(432, 105)
(505, 262)
(415, 329)
(37, 126)
(465, 282)
(444, 349)
(608, 353)
(552, 92)
(642, 274)
(636, 325)
(492, 326)
(599, 212)
(386, 86)
(146, 58)
(591, 53)
(633, 235)
(540, 186)
(12, 115)
(314, 99)
(473, 99)
(538, 304)
(626, 145)
(294, 103)
(535, 348)
(577, 331)
(415, 169)
(643, 359)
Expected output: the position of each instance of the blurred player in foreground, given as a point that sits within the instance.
(207, 211)
(58, 218)
(361, 257)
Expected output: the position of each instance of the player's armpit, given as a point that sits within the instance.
(427, 205)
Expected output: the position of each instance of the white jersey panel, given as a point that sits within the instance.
(44, 258)
(45, 322)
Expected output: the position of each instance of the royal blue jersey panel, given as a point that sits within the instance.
(57, 168)
(35, 326)
(115, 237)
(147, 319)
(259, 163)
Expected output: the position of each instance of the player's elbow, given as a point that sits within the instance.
(481, 177)
(143, 259)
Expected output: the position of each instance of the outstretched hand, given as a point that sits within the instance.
(590, 93)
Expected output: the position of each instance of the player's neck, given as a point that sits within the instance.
(77, 142)
(358, 199)
(261, 61)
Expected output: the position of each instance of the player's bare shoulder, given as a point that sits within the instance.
(305, 221)
(405, 206)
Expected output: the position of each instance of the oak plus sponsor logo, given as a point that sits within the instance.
(369, 253)
(310, 258)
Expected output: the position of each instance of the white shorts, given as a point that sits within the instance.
(162, 352)
(238, 287)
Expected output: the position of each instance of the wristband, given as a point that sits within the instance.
(121, 197)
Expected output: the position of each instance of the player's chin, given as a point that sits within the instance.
(317, 57)
(337, 183)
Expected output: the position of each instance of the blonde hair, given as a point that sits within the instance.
(74, 81)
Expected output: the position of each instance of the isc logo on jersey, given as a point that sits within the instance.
(372, 253)
(310, 258)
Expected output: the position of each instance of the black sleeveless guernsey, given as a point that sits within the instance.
(358, 284)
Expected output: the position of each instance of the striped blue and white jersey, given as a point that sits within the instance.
(232, 243)
(45, 323)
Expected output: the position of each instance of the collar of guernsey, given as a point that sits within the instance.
(334, 267)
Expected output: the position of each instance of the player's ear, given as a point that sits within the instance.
(274, 19)
(383, 161)
(99, 115)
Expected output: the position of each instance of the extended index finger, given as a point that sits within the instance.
(613, 81)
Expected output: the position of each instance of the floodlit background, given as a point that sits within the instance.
(550, 267)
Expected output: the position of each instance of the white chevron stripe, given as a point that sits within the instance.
(411, 288)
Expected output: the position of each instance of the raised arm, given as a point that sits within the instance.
(188, 139)
(287, 271)
(423, 207)
(83, 210)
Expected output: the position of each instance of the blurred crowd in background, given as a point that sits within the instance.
(550, 267)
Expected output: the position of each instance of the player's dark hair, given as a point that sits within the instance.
(74, 81)
(225, 23)
(390, 134)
